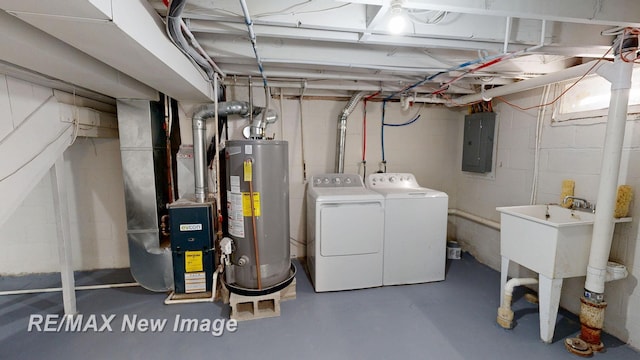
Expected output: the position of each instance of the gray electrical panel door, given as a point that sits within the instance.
(477, 152)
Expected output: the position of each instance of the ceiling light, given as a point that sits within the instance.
(398, 20)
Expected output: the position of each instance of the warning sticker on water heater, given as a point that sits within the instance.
(246, 204)
(236, 217)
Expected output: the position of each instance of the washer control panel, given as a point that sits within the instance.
(391, 181)
(337, 180)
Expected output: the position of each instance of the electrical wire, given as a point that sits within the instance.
(56, 138)
(562, 93)
(412, 120)
(633, 50)
(284, 11)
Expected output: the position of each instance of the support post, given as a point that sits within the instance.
(61, 210)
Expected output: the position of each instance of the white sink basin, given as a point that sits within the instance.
(548, 239)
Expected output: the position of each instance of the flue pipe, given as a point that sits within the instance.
(199, 124)
(342, 130)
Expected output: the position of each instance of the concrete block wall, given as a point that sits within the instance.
(568, 151)
(95, 194)
(427, 148)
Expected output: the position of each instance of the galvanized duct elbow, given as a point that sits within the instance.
(342, 130)
(199, 124)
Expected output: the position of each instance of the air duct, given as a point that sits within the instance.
(342, 130)
(143, 153)
(199, 123)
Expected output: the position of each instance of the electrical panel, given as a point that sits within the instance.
(477, 151)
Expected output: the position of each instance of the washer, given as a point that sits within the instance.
(345, 230)
(415, 236)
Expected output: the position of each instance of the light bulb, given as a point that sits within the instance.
(397, 24)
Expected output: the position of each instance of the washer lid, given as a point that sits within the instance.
(410, 193)
(344, 194)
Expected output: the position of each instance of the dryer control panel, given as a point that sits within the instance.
(391, 181)
(337, 180)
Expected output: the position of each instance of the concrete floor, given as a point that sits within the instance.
(452, 319)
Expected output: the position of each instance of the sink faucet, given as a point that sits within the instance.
(580, 203)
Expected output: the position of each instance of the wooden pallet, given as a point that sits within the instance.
(259, 307)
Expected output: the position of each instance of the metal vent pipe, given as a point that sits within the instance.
(199, 124)
(342, 130)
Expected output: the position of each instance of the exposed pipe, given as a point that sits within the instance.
(257, 130)
(58, 289)
(216, 156)
(619, 74)
(475, 218)
(170, 300)
(592, 304)
(507, 35)
(406, 101)
(248, 174)
(562, 75)
(342, 130)
(199, 126)
(505, 314)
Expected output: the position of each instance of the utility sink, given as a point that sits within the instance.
(548, 239)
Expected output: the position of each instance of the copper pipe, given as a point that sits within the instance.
(253, 225)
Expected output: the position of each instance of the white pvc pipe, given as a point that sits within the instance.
(513, 283)
(619, 74)
(170, 301)
(562, 75)
(475, 218)
(424, 99)
(83, 287)
(507, 35)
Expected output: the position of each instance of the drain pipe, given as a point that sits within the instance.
(505, 314)
(592, 303)
(562, 75)
(342, 130)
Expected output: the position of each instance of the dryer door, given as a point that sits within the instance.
(351, 228)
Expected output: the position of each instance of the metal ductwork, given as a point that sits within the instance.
(142, 148)
(199, 123)
(342, 130)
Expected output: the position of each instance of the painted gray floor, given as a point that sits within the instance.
(453, 319)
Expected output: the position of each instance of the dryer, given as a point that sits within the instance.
(345, 231)
(415, 235)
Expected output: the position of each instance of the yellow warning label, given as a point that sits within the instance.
(246, 201)
(248, 171)
(192, 261)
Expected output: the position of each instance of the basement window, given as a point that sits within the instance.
(589, 99)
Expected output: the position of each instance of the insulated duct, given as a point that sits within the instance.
(342, 130)
(143, 155)
(199, 123)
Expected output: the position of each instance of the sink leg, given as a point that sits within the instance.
(549, 299)
(504, 271)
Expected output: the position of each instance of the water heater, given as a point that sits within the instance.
(257, 213)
